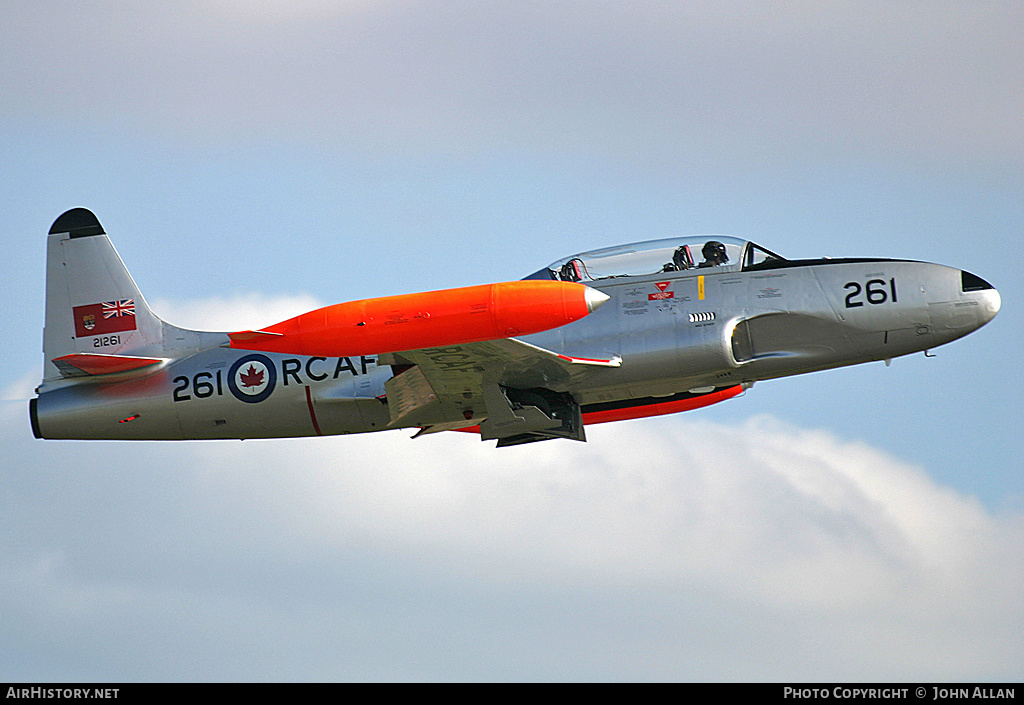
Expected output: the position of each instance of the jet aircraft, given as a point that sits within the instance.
(643, 329)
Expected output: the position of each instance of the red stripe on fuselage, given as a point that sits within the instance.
(312, 414)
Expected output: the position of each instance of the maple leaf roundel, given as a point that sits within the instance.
(252, 378)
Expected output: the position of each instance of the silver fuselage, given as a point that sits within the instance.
(677, 332)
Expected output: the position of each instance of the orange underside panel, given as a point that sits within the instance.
(659, 409)
(645, 410)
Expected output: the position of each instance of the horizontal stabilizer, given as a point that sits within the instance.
(97, 364)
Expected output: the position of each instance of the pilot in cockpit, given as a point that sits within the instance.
(714, 254)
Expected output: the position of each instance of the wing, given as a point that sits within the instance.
(515, 391)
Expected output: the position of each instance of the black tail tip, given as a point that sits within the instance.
(77, 222)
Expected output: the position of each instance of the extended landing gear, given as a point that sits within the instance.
(532, 415)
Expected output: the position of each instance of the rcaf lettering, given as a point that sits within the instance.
(344, 364)
(312, 375)
(291, 367)
(206, 384)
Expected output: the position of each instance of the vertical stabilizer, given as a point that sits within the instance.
(93, 306)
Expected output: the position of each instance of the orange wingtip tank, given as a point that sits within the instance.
(429, 319)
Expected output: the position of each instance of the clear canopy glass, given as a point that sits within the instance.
(656, 256)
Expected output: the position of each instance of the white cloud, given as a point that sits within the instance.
(655, 537)
(238, 312)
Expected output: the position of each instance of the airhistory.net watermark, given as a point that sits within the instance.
(62, 693)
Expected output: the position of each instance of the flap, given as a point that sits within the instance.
(452, 385)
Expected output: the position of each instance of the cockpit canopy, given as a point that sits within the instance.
(657, 256)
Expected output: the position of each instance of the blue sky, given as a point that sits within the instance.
(252, 159)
